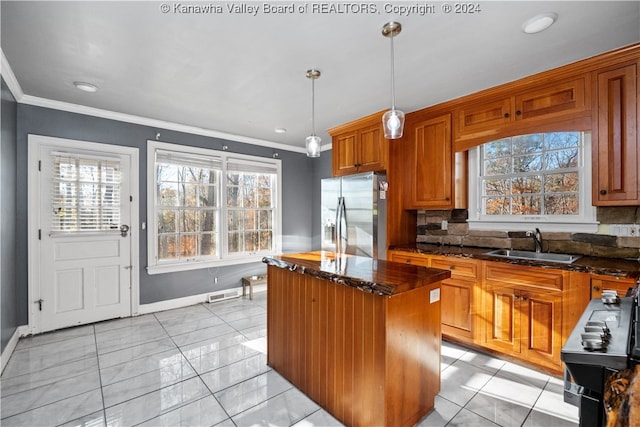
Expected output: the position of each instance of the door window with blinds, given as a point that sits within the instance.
(210, 207)
(85, 193)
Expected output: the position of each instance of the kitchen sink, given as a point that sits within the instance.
(534, 256)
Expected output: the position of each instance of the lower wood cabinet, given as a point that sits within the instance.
(601, 283)
(525, 323)
(460, 297)
(523, 312)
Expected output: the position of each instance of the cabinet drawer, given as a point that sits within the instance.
(409, 258)
(620, 285)
(459, 268)
(524, 276)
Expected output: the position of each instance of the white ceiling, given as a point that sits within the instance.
(245, 75)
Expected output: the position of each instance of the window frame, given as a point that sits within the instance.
(224, 258)
(584, 222)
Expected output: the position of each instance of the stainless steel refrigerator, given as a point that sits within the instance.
(354, 215)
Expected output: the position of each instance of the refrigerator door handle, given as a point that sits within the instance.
(338, 225)
(341, 227)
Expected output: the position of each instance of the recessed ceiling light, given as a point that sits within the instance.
(539, 23)
(86, 87)
(280, 130)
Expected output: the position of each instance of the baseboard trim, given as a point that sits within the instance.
(11, 346)
(179, 302)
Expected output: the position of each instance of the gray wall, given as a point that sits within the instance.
(9, 319)
(298, 197)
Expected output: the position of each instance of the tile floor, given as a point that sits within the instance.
(205, 365)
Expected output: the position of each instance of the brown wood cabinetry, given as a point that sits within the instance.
(516, 110)
(430, 163)
(354, 352)
(359, 146)
(409, 258)
(619, 284)
(460, 295)
(616, 154)
(523, 309)
(523, 312)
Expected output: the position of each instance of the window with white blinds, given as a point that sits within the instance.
(85, 193)
(210, 207)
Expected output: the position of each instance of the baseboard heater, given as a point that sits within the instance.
(224, 295)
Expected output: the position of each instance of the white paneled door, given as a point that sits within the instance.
(84, 233)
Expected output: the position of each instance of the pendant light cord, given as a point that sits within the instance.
(393, 89)
(313, 108)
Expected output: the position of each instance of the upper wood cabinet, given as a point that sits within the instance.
(519, 109)
(616, 155)
(430, 161)
(359, 146)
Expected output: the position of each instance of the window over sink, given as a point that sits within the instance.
(526, 180)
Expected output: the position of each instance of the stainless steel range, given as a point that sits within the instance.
(602, 343)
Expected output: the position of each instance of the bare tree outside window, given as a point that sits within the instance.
(533, 174)
(187, 212)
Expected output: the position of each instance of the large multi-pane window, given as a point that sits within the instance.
(535, 174)
(542, 177)
(211, 207)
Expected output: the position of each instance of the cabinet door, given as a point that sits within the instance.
(458, 297)
(503, 319)
(344, 154)
(552, 101)
(540, 320)
(371, 149)
(615, 148)
(457, 302)
(482, 118)
(431, 164)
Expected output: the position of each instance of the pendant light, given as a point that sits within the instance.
(392, 120)
(313, 141)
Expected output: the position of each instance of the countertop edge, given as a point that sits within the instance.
(373, 287)
(585, 264)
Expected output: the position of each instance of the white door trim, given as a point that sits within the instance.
(35, 142)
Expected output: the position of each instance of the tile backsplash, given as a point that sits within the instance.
(602, 244)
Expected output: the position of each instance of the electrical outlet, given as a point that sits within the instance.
(444, 225)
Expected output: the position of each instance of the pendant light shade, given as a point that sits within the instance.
(392, 120)
(313, 141)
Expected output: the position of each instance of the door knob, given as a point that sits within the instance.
(124, 229)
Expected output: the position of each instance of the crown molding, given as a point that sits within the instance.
(22, 98)
(7, 74)
(145, 121)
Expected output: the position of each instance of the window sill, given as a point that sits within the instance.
(197, 265)
(544, 224)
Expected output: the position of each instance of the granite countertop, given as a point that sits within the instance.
(588, 264)
(369, 275)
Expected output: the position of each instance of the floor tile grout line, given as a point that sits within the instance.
(56, 401)
(200, 378)
(536, 401)
(104, 408)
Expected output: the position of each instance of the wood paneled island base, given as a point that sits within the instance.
(360, 337)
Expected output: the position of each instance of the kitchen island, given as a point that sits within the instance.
(359, 336)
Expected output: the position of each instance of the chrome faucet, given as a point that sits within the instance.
(537, 238)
